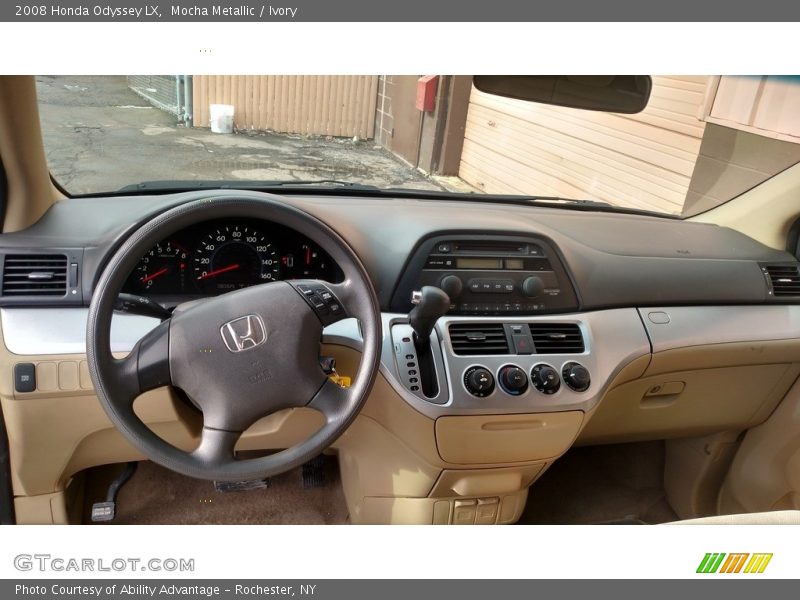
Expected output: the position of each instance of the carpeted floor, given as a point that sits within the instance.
(614, 484)
(157, 496)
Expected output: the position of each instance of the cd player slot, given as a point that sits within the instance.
(486, 263)
(493, 247)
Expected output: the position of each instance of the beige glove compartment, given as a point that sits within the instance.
(493, 439)
(697, 390)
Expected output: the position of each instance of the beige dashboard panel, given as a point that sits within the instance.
(496, 439)
(765, 473)
(694, 469)
(485, 482)
(689, 403)
(48, 436)
(46, 509)
(730, 354)
(496, 510)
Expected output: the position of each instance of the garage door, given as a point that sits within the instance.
(641, 161)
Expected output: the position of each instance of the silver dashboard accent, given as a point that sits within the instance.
(39, 331)
(699, 325)
(408, 369)
(612, 337)
(42, 331)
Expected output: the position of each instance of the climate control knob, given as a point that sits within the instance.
(533, 287)
(545, 379)
(479, 381)
(576, 376)
(513, 380)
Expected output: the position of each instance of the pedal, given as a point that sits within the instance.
(242, 486)
(315, 472)
(107, 511)
(103, 511)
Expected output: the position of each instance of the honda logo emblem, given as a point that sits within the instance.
(243, 333)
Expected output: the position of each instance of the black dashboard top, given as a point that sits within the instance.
(612, 260)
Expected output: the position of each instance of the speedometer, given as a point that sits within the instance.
(233, 256)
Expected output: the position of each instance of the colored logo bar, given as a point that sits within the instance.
(737, 562)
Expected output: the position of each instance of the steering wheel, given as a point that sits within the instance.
(239, 356)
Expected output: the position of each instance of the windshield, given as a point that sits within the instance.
(700, 142)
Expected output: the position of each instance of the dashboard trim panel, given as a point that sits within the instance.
(44, 331)
(613, 339)
(702, 325)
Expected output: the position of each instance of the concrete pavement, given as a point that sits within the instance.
(101, 136)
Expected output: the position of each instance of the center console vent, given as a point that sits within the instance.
(470, 339)
(783, 279)
(557, 338)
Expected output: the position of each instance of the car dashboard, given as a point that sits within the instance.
(565, 327)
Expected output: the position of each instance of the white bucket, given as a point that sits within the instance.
(221, 118)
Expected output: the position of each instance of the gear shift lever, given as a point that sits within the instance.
(431, 303)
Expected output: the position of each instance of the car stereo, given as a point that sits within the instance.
(491, 275)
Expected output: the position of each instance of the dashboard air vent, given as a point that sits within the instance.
(557, 338)
(478, 338)
(784, 279)
(34, 275)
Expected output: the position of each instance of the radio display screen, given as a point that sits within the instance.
(479, 263)
(514, 263)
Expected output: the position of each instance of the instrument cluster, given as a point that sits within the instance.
(220, 256)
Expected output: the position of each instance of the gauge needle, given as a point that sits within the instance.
(218, 272)
(154, 275)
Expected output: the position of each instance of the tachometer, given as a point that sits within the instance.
(234, 256)
(162, 270)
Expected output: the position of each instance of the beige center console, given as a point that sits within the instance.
(464, 455)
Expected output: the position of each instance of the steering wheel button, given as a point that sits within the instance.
(305, 289)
